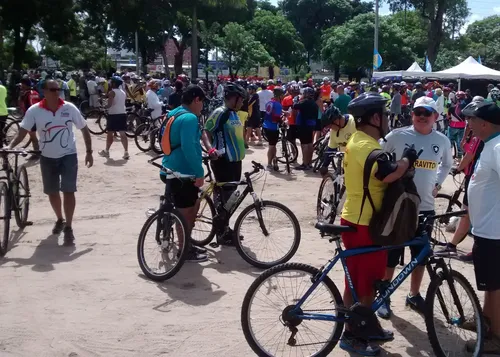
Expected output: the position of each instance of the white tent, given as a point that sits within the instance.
(414, 68)
(468, 69)
(413, 71)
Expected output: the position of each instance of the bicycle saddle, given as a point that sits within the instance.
(333, 229)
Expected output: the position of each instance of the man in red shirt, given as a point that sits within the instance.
(326, 90)
(28, 97)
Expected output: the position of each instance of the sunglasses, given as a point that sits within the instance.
(422, 112)
(53, 90)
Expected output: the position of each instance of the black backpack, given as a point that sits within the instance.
(397, 220)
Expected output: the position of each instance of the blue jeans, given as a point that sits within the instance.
(456, 135)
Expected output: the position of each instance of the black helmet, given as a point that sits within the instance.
(233, 89)
(365, 102)
(309, 92)
(252, 87)
(331, 114)
(470, 108)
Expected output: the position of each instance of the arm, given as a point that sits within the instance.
(466, 161)
(190, 146)
(400, 167)
(445, 165)
(26, 124)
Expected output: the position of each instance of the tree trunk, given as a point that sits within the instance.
(336, 72)
(194, 45)
(165, 63)
(435, 31)
(270, 69)
(144, 57)
(179, 56)
(19, 47)
(1, 51)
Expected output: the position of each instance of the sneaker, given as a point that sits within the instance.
(385, 311)
(386, 335)
(466, 258)
(416, 303)
(69, 237)
(194, 257)
(269, 168)
(349, 343)
(104, 153)
(448, 251)
(58, 226)
(198, 250)
(301, 167)
(275, 165)
(126, 156)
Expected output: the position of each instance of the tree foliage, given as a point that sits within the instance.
(484, 40)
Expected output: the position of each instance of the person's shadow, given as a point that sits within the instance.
(49, 253)
(112, 162)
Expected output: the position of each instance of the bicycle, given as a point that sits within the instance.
(329, 204)
(11, 130)
(15, 191)
(166, 220)
(289, 151)
(445, 203)
(146, 135)
(217, 216)
(294, 310)
(319, 148)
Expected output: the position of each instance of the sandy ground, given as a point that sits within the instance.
(92, 299)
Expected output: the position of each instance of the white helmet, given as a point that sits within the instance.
(270, 81)
(326, 79)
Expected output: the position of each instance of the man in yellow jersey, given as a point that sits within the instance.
(342, 126)
(3, 111)
(72, 88)
(372, 124)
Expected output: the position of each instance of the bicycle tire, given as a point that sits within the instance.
(21, 207)
(453, 205)
(200, 217)
(256, 207)
(140, 246)
(15, 124)
(245, 308)
(327, 180)
(4, 196)
(429, 315)
(133, 121)
(318, 149)
(99, 115)
(84, 107)
(155, 141)
(293, 153)
(142, 137)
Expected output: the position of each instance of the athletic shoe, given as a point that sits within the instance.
(349, 343)
(104, 153)
(269, 168)
(448, 251)
(58, 226)
(199, 250)
(302, 167)
(416, 303)
(69, 237)
(194, 257)
(385, 310)
(126, 156)
(385, 336)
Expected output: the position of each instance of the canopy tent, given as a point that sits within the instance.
(414, 68)
(413, 71)
(468, 69)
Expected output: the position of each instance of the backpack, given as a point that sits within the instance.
(164, 133)
(397, 220)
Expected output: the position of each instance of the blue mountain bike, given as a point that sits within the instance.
(295, 309)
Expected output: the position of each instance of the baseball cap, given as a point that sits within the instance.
(488, 111)
(191, 92)
(427, 103)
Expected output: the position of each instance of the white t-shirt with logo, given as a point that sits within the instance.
(265, 97)
(484, 192)
(55, 130)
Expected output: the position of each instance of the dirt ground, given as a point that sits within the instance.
(93, 300)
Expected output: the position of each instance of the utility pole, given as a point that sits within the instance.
(375, 40)
(136, 52)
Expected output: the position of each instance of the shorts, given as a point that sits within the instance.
(394, 255)
(317, 127)
(184, 193)
(365, 269)
(291, 133)
(59, 174)
(272, 136)
(253, 122)
(226, 171)
(116, 122)
(466, 187)
(485, 253)
(305, 134)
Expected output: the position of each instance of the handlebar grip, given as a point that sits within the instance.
(256, 164)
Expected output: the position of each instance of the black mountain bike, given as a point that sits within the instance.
(146, 135)
(14, 193)
(331, 195)
(289, 151)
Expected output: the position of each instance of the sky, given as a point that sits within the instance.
(479, 9)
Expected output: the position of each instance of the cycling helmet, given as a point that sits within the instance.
(252, 87)
(117, 80)
(326, 79)
(332, 113)
(309, 92)
(231, 89)
(278, 91)
(365, 102)
(270, 81)
(294, 88)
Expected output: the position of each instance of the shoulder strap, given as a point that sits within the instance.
(367, 171)
(166, 144)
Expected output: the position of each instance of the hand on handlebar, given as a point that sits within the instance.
(199, 182)
(410, 154)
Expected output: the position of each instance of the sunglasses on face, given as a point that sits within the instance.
(422, 112)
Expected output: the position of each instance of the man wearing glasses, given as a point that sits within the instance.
(54, 119)
(431, 169)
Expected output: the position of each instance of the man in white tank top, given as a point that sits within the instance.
(117, 117)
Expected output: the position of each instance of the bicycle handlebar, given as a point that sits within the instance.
(167, 170)
(445, 215)
(19, 152)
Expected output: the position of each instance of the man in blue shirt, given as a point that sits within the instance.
(272, 119)
(185, 160)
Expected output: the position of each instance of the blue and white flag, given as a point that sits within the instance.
(428, 67)
(377, 60)
(479, 60)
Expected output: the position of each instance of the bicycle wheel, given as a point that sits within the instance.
(133, 121)
(292, 151)
(10, 132)
(443, 342)
(326, 207)
(318, 150)
(166, 240)
(21, 197)
(142, 137)
(5, 219)
(204, 231)
(444, 203)
(84, 107)
(266, 313)
(155, 141)
(262, 233)
(94, 118)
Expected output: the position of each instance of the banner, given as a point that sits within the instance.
(479, 60)
(428, 67)
(377, 60)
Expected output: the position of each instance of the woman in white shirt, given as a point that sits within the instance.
(154, 102)
(117, 117)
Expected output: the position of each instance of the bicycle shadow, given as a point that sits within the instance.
(284, 175)
(414, 335)
(14, 239)
(227, 260)
(48, 253)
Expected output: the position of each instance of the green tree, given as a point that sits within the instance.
(210, 39)
(446, 59)
(351, 45)
(414, 29)
(241, 51)
(483, 38)
(266, 5)
(278, 36)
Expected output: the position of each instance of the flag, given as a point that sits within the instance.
(479, 60)
(377, 60)
(428, 67)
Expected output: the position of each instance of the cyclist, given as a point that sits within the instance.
(287, 103)
(174, 100)
(117, 117)
(185, 159)
(326, 90)
(224, 131)
(272, 120)
(372, 122)
(154, 102)
(3, 112)
(253, 121)
(431, 169)
(306, 121)
(342, 126)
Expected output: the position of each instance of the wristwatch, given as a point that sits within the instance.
(438, 187)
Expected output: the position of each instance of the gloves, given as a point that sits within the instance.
(411, 154)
